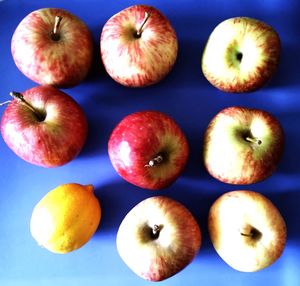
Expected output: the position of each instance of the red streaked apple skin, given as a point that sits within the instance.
(62, 63)
(230, 158)
(138, 62)
(178, 242)
(52, 142)
(139, 138)
(258, 45)
(246, 230)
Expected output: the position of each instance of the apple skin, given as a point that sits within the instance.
(247, 230)
(51, 142)
(143, 61)
(228, 154)
(140, 138)
(241, 55)
(158, 256)
(62, 63)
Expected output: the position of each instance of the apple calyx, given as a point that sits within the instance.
(157, 160)
(155, 230)
(20, 98)
(138, 33)
(239, 56)
(55, 36)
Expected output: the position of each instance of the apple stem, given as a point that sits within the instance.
(5, 102)
(139, 31)
(251, 232)
(55, 35)
(155, 161)
(19, 96)
(253, 140)
(155, 231)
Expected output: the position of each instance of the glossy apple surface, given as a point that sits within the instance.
(148, 149)
(247, 230)
(59, 56)
(242, 145)
(51, 134)
(158, 238)
(241, 55)
(138, 46)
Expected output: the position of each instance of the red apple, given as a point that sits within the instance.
(241, 55)
(242, 145)
(52, 47)
(148, 149)
(247, 230)
(158, 238)
(44, 126)
(138, 46)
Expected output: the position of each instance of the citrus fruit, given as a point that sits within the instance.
(66, 218)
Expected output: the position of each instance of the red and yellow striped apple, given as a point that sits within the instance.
(241, 55)
(242, 145)
(138, 46)
(53, 47)
(246, 230)
(44, 126)
(158, 238)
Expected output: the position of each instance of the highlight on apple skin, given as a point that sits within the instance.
(138, 46)
(44, 126)
(247, 230)
(241, 55)
(158, 238)
(51, 46)
(242, 145)
(148, 149)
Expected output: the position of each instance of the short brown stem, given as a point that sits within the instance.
(139, 31)
(253, 140)
(155, 161)
(55, 33)
(250, 232)
(19, 96)
(155, 231)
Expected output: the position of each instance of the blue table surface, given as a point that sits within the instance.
(185, 95)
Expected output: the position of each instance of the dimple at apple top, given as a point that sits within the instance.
(185, 95)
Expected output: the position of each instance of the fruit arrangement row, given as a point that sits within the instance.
(46, 127)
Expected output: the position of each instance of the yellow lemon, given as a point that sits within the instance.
(66, 218)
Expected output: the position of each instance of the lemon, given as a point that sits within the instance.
(66, 218)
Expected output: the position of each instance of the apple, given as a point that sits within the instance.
(241, 55)
(44, 126)
(158, 238)
(53, 47)
(242, 145)
(138, 46)
(247, 230)
(148, 149)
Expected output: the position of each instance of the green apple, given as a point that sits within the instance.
(241, 55)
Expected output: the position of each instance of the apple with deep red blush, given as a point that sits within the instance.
(53, 47)
(241, 55)
(242, 145)
(148, 149)
(44, 126)
(158, 238)
(138, 46)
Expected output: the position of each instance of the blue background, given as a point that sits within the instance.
(192, 102)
